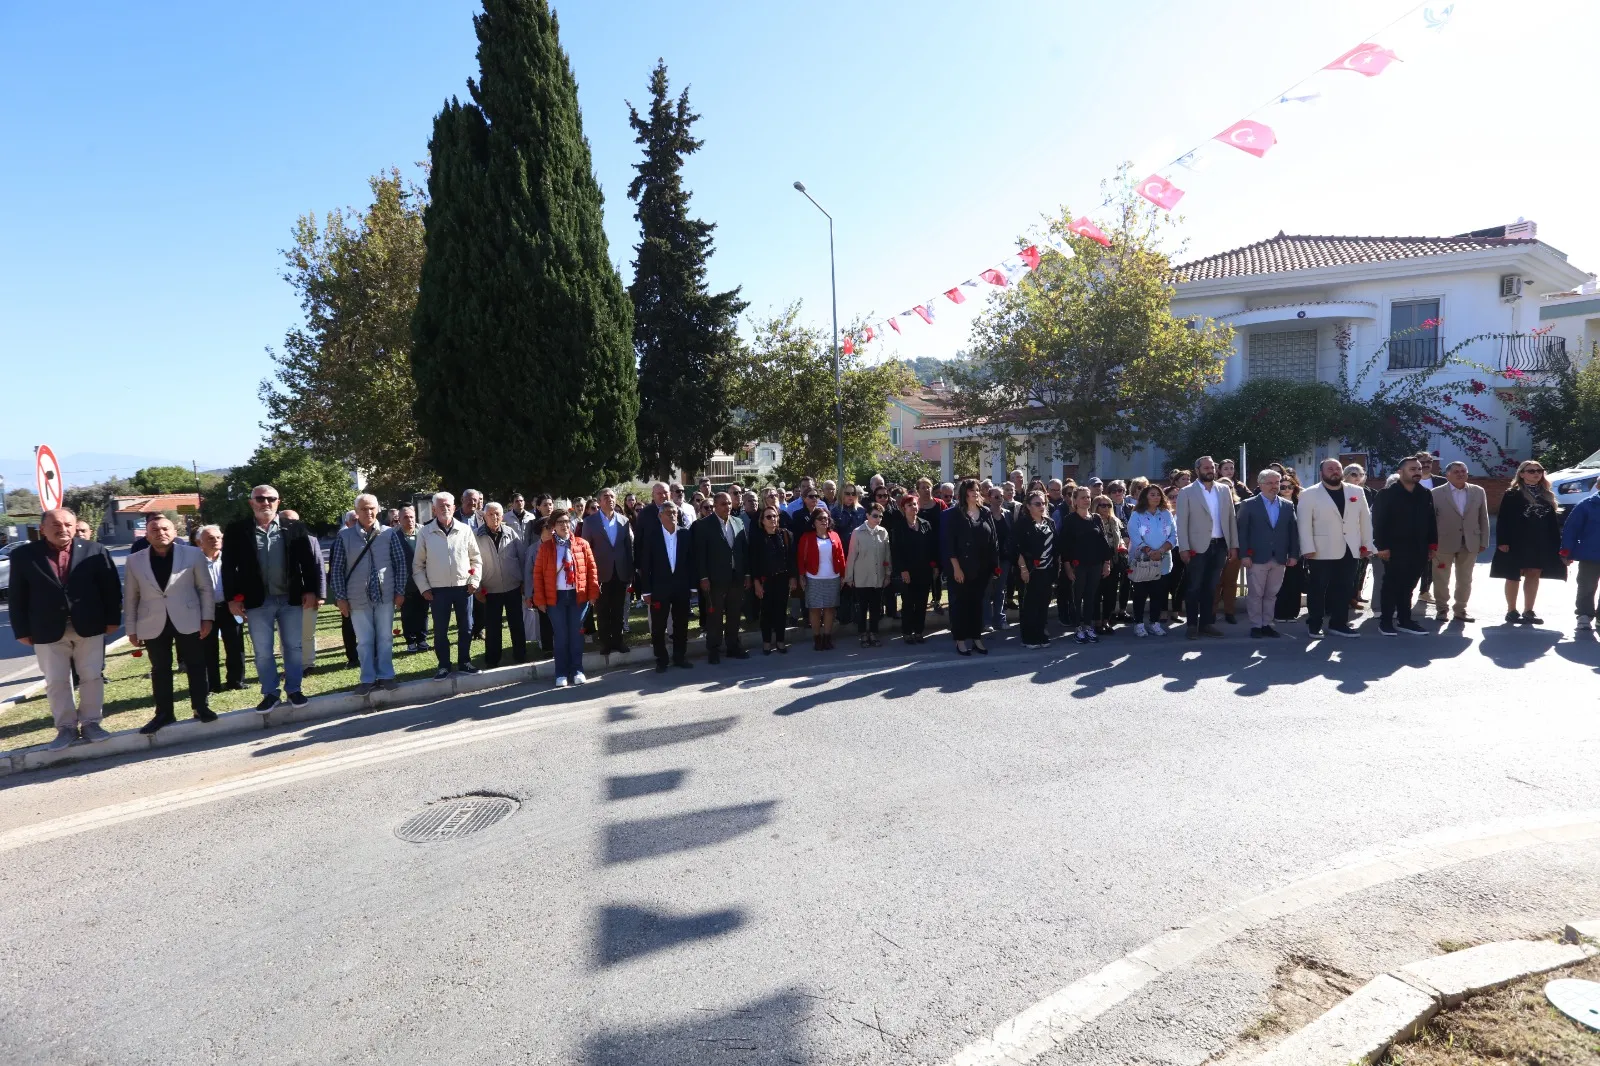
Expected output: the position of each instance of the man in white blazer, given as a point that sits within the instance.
(170, 600)
(1208, 536)
(1335, 534)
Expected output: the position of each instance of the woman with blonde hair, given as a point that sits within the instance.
(1527, 540)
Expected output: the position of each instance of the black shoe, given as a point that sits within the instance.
(684, 664)
(268, 702)
(980, 649)
(156, 723)
(661, 666)
(1411, 627)
(1388, 629)
(738, 653)
(233, 686)
(1210, 631)
(1313, 631)
(713, 660)
(1512, 618)
(205, 714)
(1190, 630)
(441, 673)
(1344, 631)
(297, 698)
(1529, 618)
(1257, 631)
(1268, 631)
(467, 667)
(1230, 619)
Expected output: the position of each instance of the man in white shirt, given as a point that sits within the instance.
(610, 537)
(228, 633)
(1208, 536)
(1461, 511)
(666, 572)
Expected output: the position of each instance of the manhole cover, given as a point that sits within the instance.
(1578, 1000)
(452, 818)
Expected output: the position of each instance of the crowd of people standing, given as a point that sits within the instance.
(1147, 554)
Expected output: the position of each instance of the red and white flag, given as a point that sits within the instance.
(926, 311)
(869, 334)
(849, 345)
(1082, 227)
(993, 277)
(1030, 255)
(1250, 136)
(1368, 60)
(894, 323)
(956, 296)
(1160, 191)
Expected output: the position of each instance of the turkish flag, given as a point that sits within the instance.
(1082, 227)
(956, 296)
(894, 323)
(1160, 191)
(849, 345)
(1030, 255)
(925, 311)
(993, 277)
(1368, 60)
(869, 334)
(1248, 136)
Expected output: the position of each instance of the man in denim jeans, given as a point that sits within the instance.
(270, 575)
(367, 573)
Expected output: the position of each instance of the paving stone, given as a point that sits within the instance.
(1358, 1030)
(1462, 973)
(1578, 932)
(189, 730)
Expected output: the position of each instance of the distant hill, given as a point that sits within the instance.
(930, 369)
(86, 468)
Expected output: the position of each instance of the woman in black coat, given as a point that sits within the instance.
(772, 576)
(1033, 550)
(974, 556)
(1527, 540)
(1086, 555)
(912, 558)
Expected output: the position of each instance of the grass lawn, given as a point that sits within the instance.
(128, 703)
(1511, 1027)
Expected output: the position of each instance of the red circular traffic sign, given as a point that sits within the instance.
(47, 476)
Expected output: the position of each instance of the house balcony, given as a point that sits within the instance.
(1532, 355)
(1415, 353)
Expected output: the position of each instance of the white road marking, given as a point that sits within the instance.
(1048, 1023)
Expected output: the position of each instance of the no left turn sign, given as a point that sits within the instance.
(47, 475)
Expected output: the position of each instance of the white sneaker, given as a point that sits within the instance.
(1138, 629)
(561, 682)
(578, 678)
(1156, 630)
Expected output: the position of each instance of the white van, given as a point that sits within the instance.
(1576, 483)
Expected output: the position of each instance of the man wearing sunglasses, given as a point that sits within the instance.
(271, 573)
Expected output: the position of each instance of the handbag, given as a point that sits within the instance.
(1142, 570)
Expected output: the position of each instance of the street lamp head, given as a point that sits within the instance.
(800, 185)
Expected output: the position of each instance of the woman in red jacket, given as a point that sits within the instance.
(565, 583)
(820, 559)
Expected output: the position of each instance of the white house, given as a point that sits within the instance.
(1289, 299)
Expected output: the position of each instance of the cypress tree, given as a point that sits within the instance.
(684, 334)
(525, 375)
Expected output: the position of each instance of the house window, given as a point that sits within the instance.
(1287, 356)
(1414, 335)
(894, 436)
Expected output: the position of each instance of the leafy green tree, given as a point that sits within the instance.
(1564, 414)
(929, 369)
(1086, 349)
(342, 384)
(899, 467)
(684, 334)
(523, 353)
(783, 391)
(317, 489)
(22, 501)
(159, 480)
(90, 502)
(1274, 419)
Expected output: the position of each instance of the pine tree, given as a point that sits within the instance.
(525, 377)
(683, 333)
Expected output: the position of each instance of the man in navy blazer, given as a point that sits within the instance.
(666, 576)
(1269, 543)
(65, 599)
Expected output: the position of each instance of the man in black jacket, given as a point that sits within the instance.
(718, 542)
(666, 575)
(1405, 531)
(55, 581)
(271, 574)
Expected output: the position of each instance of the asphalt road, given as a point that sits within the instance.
(850, 858)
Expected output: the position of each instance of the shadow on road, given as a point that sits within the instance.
(767, 1031)
(646, 838)
(630, 932)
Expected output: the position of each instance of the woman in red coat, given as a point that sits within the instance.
(565, 583)
(820, 562)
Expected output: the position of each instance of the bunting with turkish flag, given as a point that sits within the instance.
(1084, 228)
(1160, 191)
(1368, 60)
(1250, 136)
(1030, 255)
(993, 277)
(955, 295)
(925, 311)
(849, 345)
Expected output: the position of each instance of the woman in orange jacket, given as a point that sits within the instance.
(565, 583)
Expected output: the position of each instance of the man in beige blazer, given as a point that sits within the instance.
(1335, 534)
(1462, 511)
(1208, 536)
(170, 601)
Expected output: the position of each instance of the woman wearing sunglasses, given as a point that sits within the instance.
(772, 578)
(820, 558)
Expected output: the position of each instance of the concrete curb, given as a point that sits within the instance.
(1393, 1007)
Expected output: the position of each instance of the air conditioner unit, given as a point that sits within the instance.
(1522, 228)
(1510, 286)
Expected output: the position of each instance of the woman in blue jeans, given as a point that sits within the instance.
(565, 583)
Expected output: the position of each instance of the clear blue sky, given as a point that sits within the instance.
(157, 155)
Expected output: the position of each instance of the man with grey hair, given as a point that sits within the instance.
(446, 566)
(610, 538)
(271, 576)
(1461, 512)
(471, 510)
(65, 599)
(367, 572)
(1269, 543)
(228, 633)
(504, 555)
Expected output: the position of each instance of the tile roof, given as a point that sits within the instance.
(157, 504)
(927, 400)
(1285, 253)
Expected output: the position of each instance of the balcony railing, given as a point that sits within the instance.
(1532, 355)
(1414, 353)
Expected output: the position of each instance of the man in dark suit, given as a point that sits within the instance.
(719, 544)
(271, 575)
(1269, 543)
(666, 576)
(55, 581)
(610, 537)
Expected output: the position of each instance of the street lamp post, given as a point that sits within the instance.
(838, 380)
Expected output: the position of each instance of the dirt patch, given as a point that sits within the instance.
(1515, 1025)
(1303, 989)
